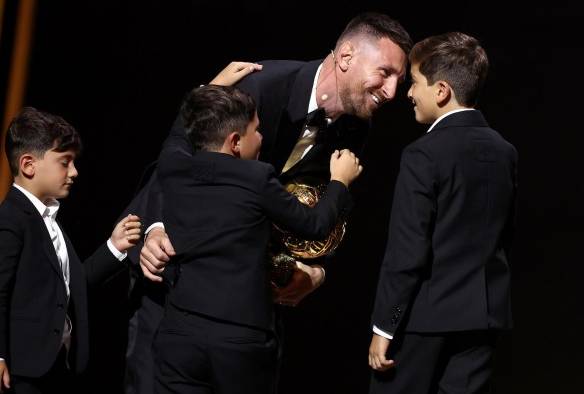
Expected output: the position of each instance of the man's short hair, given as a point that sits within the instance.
(211, 112)
(379, 26)
(455, 58)
(36, 132)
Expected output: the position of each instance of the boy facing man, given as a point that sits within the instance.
(444, 284)
(217, 335)
(43, 285)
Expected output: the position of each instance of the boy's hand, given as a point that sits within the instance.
(377, 352)
(345, 166)
(4, 376)
(234, 72)
(126, 233)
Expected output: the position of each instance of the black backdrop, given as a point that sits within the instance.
(117, 71)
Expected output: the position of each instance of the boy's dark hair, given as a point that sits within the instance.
(455, 58)
(211, 112)
(379, 26)
(37, 132)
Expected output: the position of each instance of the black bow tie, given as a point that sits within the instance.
(318, 119)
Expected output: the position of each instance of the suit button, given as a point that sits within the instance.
(60, 306)
(57, 331)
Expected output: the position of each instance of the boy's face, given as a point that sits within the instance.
(423, 96)
(374, 72)
(54, 174)
(251, 141)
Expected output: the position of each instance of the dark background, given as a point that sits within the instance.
(117, 71)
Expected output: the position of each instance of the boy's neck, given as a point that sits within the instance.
(30, 187)
(224, 149)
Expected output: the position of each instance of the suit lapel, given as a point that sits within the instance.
(49, 249)
(75, 266)
(293, 117)
(39, 225)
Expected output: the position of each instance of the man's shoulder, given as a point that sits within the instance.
(274, 69)
(276, 74)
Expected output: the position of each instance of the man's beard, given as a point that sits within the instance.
(351, 107)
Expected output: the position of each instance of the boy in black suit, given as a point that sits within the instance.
(445, 280)
(43, 285)
(217, 333)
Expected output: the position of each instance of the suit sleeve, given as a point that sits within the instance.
(147, 203)
(409, 245)
(10, 249)
(101, 266)
(288, 213)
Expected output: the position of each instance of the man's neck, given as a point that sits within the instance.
(327, 89)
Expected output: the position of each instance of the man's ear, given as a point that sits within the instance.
(27, 165)
(344, 55)
(233, 141)
(443, 93)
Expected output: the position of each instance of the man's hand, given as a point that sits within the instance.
(305, 280)
(4, 377)
(377, 353)
(155, 254)
(234, 72)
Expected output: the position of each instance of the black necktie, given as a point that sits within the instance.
(317, 118)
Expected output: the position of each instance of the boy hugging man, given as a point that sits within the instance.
(44, 340)
(217, 333)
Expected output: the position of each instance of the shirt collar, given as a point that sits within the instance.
(49, 210)
(312, 104)
(447, 114)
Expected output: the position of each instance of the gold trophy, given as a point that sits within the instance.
(289, 247)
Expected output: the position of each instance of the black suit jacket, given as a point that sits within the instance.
(282, 93)
(33, 298)
(221, 246)
(446, 264)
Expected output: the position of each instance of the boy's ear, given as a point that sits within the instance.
(344, 55)
(27, 165)
(443, 93)
(234, 143)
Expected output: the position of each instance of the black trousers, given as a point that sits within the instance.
(452, 363)
(196, 354)
(59, 379)
(139, 374)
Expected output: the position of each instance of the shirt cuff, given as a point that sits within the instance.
(382, 333)
(119, 255)
(152, 226)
